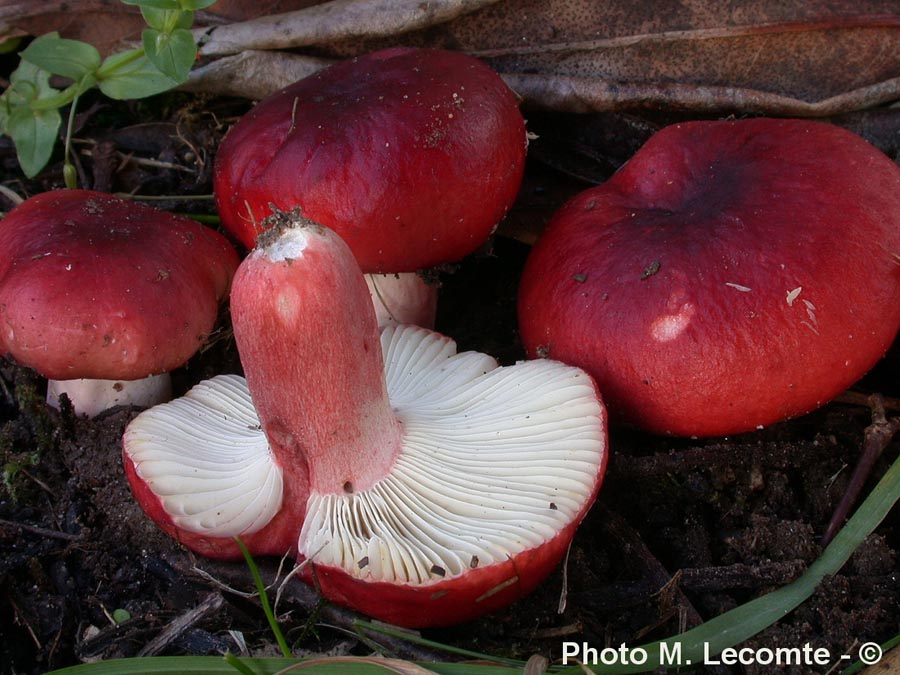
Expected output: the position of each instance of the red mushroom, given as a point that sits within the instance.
(413, 156)
(202, 469)
(730, 275)
(105, 296)
(440, 486)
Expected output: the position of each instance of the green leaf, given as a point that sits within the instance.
(197, 4)
(167, 20)
(173, 54)
(185, 19)
(157, 18)
(121, 615)
(57, 99)
(264, 598)
(130, 75)
(30, 115)
(186, 5)
(34, 135)
(56, 55)
(28, 82)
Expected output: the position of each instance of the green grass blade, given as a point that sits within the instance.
(264, 599)
(857, 666)
(392, 631)
(709, 639)
(238, 665)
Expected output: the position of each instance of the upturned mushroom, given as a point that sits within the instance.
(732, 274)
(423, 486)
(413, 156)
(105, 296)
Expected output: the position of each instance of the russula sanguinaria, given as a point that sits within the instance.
(105, 296)
(412, 155)
(426, 486)
(730, 275)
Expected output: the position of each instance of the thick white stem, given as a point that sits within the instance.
(91, 397)
(403, 299)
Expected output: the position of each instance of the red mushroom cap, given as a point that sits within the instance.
(425, 486)
(93, 286)
(477, 592)
(730, 275)
(202, 469)
(412, 155)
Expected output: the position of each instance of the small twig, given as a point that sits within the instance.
(144, 161)
(198, 154)
(42, 531)
(295, 571)
(217, 583)
(53, 645)
(552, 632)
(7, 392)
(211, 604)
(12, 196)
(564, 591)
(672, 598)
(839, 665)
(106, 613)
(876, 438)
(20, 618)
(620, 529)
(155, 163)
(741, 576)
(37, 481)
(713, 579)
(306, 598)
(859, 398)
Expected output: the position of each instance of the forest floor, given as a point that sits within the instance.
(682, 531)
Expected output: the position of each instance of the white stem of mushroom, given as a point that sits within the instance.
(404, 298)
(91, 397)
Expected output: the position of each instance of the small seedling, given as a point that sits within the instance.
(30, 106)
(120, 616)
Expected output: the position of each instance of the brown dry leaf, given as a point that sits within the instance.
(537, 665)
(100, 23)
(110, 25)
(889, 664)
(800, 58)
(806, 57)
(334, 21)
(252, 74)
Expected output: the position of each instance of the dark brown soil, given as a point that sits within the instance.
(683, 530)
